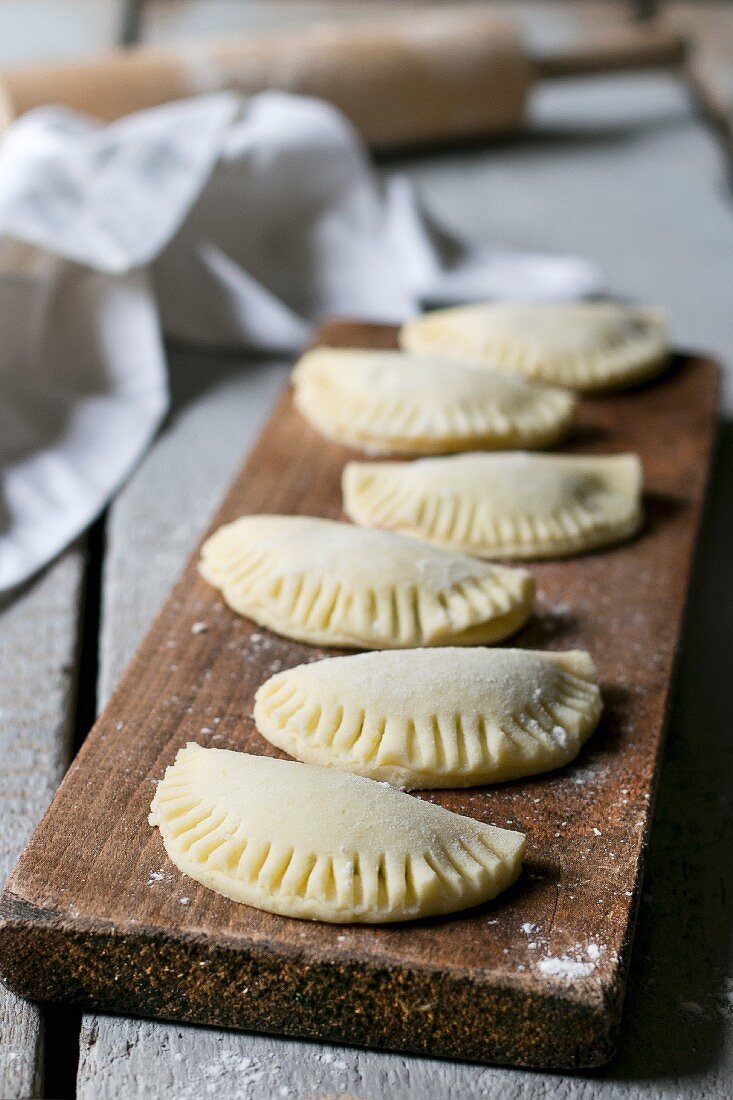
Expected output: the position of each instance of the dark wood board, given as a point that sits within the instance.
(95, 913)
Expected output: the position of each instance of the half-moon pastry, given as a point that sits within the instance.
(317, 844)
(582, 345)
(434, 718)
(514, 505)
(388, 402)
(331, 583)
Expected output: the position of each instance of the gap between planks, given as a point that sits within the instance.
(62, 1023)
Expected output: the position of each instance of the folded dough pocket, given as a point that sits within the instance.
(434, 718)
(501, 506)
(335, 584)
(583, 345)
(385, 401)
(312, 843)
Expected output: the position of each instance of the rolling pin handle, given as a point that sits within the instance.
(626, 49)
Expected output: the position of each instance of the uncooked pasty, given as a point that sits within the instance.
(501, 506)
(384, 401)
(334, 584)
(434, 718)
(312, 843)
(582, 345)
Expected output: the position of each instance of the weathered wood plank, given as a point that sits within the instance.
(38, 645)
(39, 628)
(581, 883)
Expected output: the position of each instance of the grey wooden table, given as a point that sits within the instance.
(622, 172)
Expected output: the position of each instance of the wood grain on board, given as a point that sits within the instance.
(94, 912)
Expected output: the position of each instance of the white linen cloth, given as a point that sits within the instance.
(215, 220)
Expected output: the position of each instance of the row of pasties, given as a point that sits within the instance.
(331, 583)
(313, 843)
(434, 718)
(386, 402)
(408, 717)
(585, 346)
(501, 506)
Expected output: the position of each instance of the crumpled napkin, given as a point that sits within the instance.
(214, 220)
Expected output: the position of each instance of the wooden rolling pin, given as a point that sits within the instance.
(432, 76)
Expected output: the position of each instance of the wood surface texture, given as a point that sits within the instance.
(39, 630)
(94, 912)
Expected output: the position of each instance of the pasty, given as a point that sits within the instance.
(331, 583)
(385, 401)
(434, 718)
(501, 506)
(317, 844)
(582, 345)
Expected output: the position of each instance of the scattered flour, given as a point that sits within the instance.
(573, 966)
(565, 967)
(157, 876)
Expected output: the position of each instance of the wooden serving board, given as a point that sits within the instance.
(95, 913)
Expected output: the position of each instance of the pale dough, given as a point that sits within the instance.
(313, 843)
(434, 718)
(583, 345)
(335, 584)
(501, 506)
(384, 401)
